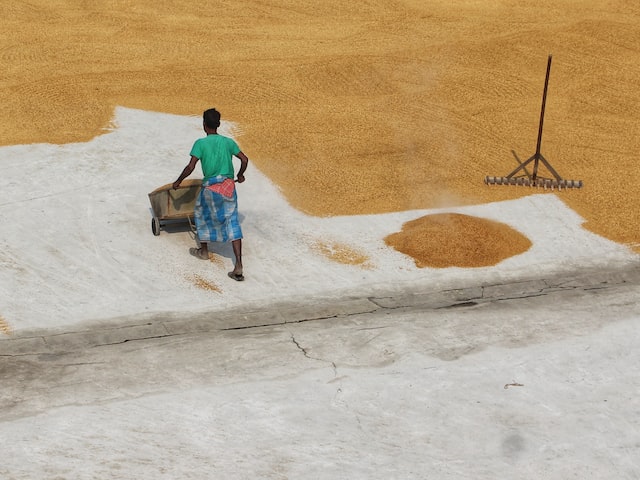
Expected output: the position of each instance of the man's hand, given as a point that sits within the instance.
(244, 161)
(186, 172)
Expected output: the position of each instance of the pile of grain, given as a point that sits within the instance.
(455, 240)
(409, 103)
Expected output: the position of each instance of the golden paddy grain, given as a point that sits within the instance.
(216, 260)
(5, 328)
(340, 252)
(353, 107)
(201, 282)
(455, 240)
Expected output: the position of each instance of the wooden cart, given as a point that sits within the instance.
(171, 206)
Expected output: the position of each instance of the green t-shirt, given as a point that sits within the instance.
(215, 153)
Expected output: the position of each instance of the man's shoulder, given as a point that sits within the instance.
(218, 138)
(227, 139)
(200, 140)
(230, 143)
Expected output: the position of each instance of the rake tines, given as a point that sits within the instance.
(533, 179)
(538, 182)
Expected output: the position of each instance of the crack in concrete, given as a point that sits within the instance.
(376, 302)
(285, 322)
(306, 354)
(16, 355)
(602, 286)
(82, 364)
(137, 339)
(459, 305)
(302, 349)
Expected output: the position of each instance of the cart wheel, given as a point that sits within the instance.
(155, 226)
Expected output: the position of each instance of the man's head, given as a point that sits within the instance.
(211, 118)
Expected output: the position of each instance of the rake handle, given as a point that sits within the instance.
(544, 102)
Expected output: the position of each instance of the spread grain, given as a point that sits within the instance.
(408, 103)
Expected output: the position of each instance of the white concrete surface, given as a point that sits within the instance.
(117, 366)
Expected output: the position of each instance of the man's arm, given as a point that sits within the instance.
(186, 172)
(244, 162)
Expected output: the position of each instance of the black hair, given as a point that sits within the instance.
(211, 118)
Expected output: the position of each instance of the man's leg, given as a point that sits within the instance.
(237, 252)
(201, 214)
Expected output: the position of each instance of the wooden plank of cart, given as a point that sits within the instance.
(171, 206)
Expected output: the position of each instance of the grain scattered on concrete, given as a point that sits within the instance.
(201, 282)
(5, 328)
(342, 253)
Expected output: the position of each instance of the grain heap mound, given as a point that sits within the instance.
(455, 240)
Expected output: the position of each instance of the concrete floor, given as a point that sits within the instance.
(404, 386)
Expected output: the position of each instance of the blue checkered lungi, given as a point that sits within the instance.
(216, 215)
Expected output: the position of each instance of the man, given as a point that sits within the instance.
(216, 209)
